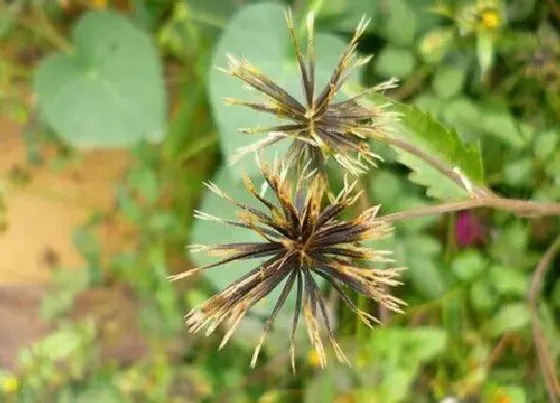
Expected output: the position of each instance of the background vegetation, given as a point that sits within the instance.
(139, 76)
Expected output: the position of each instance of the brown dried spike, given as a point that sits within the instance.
(319, 127)
(303, 237)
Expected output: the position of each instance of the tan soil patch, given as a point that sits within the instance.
(42, 214)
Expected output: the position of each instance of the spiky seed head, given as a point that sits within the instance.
(319, 127)
(303, 237)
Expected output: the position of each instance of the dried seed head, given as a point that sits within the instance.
(319, 127)
(302, 238)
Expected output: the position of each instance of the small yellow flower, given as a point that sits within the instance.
(313, 358)
(491, 19)
(10, 384)
(98, 3)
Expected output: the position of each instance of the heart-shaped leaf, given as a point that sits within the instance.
(107, 92)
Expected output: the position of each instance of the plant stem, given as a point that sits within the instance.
(554, 8)
(543, 352)
(520, 207)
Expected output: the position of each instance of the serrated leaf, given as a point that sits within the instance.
(109, 92)
(425, 132)
(259, 34)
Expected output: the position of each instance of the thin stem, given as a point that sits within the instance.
(412, 85)
(543, 352)
(46, 29)
(554, 8)
(520, 207)
(364, 204)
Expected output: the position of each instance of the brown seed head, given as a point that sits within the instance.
(319, 126)
(302, 238)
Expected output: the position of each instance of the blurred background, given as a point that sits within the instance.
(111, 116)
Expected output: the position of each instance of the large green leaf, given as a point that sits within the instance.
(395, 355)
(344, 14)
(424, 132)
(259, 34)
(107, 92)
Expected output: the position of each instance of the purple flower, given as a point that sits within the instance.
(469, 230)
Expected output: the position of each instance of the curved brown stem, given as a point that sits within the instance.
(554, 8)
(543, 352)
(520, 207)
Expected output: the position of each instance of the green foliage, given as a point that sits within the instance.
(395, 62)
(108, 90)
(425, 132)
(479, 92)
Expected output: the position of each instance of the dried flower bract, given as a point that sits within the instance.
(302, 237)
(319, 127)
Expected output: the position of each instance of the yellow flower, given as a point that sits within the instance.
(491, 19)
(98, 3)
(313, 358)
(10, 384)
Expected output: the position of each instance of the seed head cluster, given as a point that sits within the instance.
(319, 127)
(302, 239)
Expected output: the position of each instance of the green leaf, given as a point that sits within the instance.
(468, 265)
(421, 255)
(259, 34)
(485, 52)
(145, 182)
(395, 355)
(515, 394)
(448, 81)
(326, 385)
(519, 172)
(483, 296)
(496, 121)
(510, 246)
(345, 14)
(546, 143)
(400, 22)
(508, 281)
(426, 133)
(425, 343)
(107, 92)
(435, 44)
(395, 62)
(509, 318)
(462, 113)
(396, 193)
